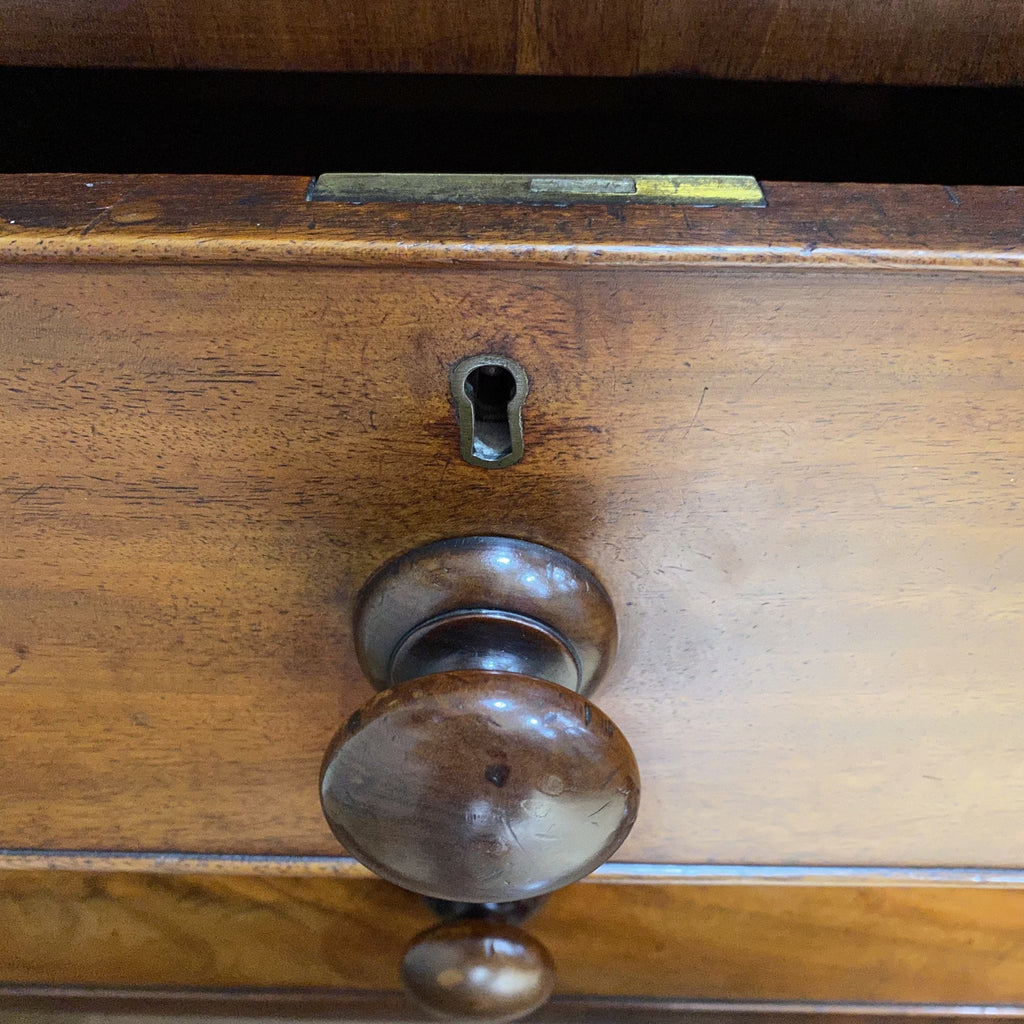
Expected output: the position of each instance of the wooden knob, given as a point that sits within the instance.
(477, 970)
(480, 786)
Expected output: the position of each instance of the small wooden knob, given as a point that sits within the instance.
(477, 970)
(480, 786)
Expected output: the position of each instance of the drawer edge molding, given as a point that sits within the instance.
(613, 871)
(208, 219)
(362, 1005)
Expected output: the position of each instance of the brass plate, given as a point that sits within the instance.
(539, 190)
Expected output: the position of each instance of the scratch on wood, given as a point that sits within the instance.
(28, 493)
(696, 413)
(96, 220)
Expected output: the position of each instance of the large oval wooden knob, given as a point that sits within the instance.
(480, 786)
(477, 970)
(481, 773)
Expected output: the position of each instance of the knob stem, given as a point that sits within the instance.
(494, 641)
(482, 603)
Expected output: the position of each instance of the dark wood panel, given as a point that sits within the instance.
(899, 42)
(801, 489)
(945, 42)
(310, 35)
(775, 943)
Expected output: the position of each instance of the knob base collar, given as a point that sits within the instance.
(493, 603)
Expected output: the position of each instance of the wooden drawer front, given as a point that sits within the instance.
(772, 944)
(798, 474)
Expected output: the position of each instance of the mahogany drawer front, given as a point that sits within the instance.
(787, 440)
(336, 944)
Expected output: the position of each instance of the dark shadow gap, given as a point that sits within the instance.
(116, 121)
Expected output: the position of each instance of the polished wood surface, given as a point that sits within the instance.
(477, 970)
(947, 947)
(480, 786)
(199, 220)
(943, 42)
(798, 481)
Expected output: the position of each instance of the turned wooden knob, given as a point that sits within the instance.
(480, 786)
(477, 970)
(480, 773)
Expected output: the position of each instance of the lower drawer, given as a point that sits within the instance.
(323, 939)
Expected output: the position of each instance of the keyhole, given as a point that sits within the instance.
(489, 391)
(490, 388)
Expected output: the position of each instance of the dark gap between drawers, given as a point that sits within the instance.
(112, 121)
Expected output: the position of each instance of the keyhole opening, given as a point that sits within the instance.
(489, 392)
(491, 388)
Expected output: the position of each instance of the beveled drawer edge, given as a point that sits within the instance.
(349, 1004)
(614, 871)
(209, 219)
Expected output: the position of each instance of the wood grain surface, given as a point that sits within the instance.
(845, 945)
(185, 219)
(801, 488)
(943, 42)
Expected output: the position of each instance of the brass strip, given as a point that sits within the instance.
(539, 190)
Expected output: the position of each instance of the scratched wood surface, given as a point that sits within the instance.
(943, 42)
(199, 220)
(801, 486)
(768, 943)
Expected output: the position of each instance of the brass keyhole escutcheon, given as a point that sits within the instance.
(489, 391)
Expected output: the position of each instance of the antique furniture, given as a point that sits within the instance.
(771, 451)
(786, 439)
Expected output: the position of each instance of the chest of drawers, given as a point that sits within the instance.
(788, 440)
